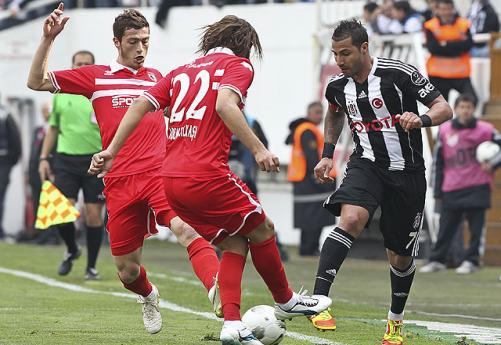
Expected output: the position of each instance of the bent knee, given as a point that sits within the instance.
(184, 233)
(128, 272)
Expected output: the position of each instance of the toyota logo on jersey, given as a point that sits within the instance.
(375, 125)
(377, 103)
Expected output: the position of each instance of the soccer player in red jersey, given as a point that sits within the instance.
(205, 98)
(134, 193)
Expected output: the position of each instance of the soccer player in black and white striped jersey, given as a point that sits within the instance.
(379, 97)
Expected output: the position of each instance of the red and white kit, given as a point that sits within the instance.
(133, 188)
(199, 184)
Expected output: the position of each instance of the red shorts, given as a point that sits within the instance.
(215, 207)
(134, 204)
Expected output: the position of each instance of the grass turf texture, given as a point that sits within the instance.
(33, 313)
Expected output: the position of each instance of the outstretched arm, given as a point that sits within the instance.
(229, 111)
(102, 161)
(53, 25)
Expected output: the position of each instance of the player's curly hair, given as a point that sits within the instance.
(128, 19)
(233, 33)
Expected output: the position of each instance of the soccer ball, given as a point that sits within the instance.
(264, 325)
(486, 151)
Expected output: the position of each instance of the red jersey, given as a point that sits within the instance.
(198, 140)
(112, 89)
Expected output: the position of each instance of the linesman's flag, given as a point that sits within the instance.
(54, 208)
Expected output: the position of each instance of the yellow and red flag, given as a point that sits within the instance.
(54, 208)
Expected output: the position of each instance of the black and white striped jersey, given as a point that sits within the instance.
(392, 88)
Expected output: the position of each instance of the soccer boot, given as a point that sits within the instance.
(433, 266)
(215, 299)
(323, 321)
(152, 318)
(304, 306)
(92, 274)
(231, 335)
(467, 267)
(67, 263)
(393, 335)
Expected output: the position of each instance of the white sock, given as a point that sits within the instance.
(395, 317)
(291, 303)
(235, 324)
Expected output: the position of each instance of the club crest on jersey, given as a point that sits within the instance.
(377, 103)
(418, 79)
(152, 76)
(352, 108)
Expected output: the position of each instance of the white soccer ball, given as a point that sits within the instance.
(486, 151)
(264, 325)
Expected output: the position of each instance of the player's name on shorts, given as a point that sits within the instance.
(187, 131)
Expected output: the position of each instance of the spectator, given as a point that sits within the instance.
(448, 39)
(164, 8)
(409, 19)
(307, 143)
(10, 153)
(430, 11)
(242, 163)
(483, 18)
(462, 184)
(384, 19)
(371, 13)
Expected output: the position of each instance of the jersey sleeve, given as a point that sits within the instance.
(413, 83)
(78, 81)
(54, 113)
(160, 94)
(238, 77)
(330, 95)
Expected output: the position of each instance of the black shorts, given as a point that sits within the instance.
(400, 194)
(71, 175)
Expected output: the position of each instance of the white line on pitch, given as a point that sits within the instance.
(163, 303)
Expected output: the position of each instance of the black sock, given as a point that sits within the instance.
(401, 281)
(67, 233)
(333, 253)
(94, 239)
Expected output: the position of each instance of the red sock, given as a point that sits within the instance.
(266, 259)
(204, 261)
(230, 281)
(141, 285)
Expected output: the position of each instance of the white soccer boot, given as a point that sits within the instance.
(235, 333)
(152, 318)
(302, 305)
(215, 299)
(432, 266)
(467, 267)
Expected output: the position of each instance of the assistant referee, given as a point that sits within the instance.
(73, 125)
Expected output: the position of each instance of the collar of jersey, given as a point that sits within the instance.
(223, 50)
(115, 67)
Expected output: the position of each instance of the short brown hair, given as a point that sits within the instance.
(233, 33)
(128, 19)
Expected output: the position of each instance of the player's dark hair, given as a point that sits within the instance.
(233, 33)
(313, 104)
(351, 28)
(83, 52)
(128, 19)
(445, 2)
(465, 97)
(371, 7)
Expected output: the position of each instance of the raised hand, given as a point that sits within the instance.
(55, 22)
